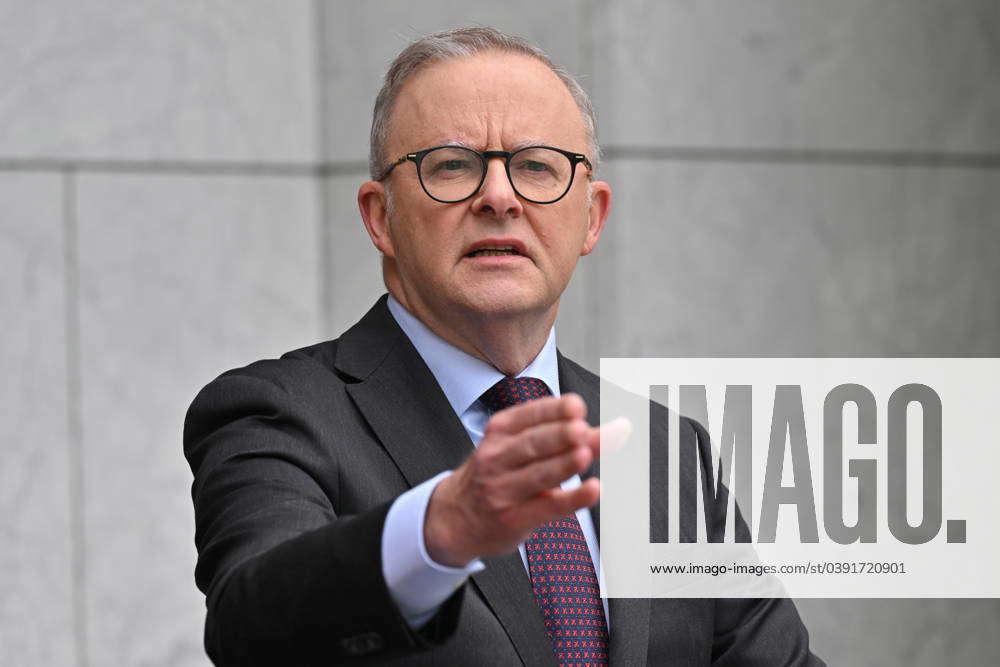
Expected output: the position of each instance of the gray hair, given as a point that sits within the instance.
(463, 43)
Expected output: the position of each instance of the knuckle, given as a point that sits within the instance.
(488, 455)
(573, 431)
(574, 404)
(494, 506)
(480, 487)
(496, 424)
(529, 448)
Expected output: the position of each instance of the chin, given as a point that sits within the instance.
(496, 301)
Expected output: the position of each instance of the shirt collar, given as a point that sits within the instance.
(462, 377)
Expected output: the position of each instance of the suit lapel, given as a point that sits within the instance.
(572, 380)
(410, 415)
(506, 587)
(630, 644)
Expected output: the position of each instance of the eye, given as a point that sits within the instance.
(533, 165)
(451, 165)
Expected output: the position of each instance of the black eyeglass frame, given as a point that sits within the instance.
(418, 157)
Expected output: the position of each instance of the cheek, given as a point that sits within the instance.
(563, 237)
(424, 247)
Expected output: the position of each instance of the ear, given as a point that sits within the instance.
(372, 204)
(600, 207)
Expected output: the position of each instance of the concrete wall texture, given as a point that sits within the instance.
(177, 197)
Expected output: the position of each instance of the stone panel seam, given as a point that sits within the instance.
(325, 233)
(591, 341)
(74, 417)
(188, 167)
(845, 157)
(986, 161)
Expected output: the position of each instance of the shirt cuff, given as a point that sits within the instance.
(416, 583)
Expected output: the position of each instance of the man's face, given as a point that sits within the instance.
(495, 101)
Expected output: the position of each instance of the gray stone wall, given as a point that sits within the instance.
(177, 197)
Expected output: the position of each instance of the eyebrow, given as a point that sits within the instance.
(527, 142)
(453, 142)
(516, 146)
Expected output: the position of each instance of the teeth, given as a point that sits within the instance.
(494, 251)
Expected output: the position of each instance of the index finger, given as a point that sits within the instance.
(548, 409)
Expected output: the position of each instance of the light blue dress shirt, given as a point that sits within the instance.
(416, 583)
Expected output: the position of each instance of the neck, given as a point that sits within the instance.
(508, 342)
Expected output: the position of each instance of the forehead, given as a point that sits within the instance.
(486, 101)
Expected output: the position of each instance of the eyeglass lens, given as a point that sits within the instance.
(452, 173)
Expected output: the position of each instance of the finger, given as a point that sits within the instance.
(551, 408)
(593, 441)
(545, 475)
(539, 442)
(558, 503)
(613, 436)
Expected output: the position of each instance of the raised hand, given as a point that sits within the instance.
(510, 484)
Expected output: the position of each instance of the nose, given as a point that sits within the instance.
(496, 196)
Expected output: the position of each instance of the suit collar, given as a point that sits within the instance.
(462, 377)
(363, 347)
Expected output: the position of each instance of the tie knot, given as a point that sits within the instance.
(511, 391)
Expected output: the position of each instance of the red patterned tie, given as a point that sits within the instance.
(559, 562)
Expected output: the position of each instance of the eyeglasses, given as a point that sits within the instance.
(450, 174)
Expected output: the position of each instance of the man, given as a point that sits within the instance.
(392, 497)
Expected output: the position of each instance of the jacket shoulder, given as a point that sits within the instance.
(297, 381)
(294, 369)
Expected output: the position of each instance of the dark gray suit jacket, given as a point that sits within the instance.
(296, 462)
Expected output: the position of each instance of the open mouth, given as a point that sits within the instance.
(493, 251)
